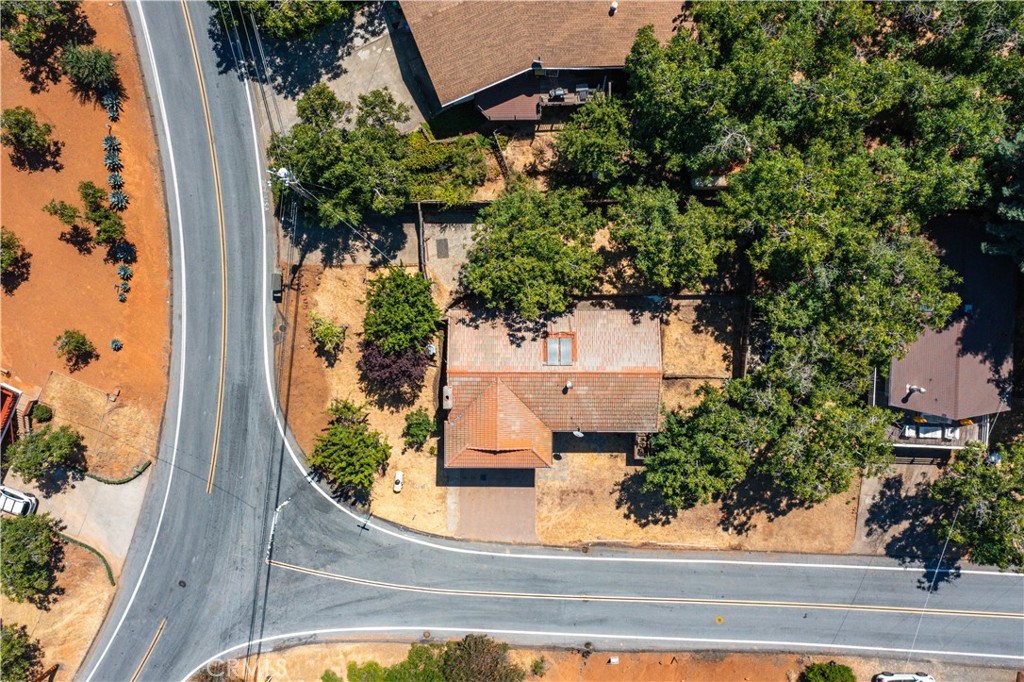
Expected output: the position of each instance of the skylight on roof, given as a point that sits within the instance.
(559, 350)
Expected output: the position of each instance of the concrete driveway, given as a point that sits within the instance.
(492, 504)
(96, 513)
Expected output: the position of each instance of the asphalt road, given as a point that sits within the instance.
(197, 584)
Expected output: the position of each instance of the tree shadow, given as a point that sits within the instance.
(63, 477)
(355, 497)
(917, 541)
(40, 67)
(121, 251)
(35, 161)
(295, 65)
(642, 507)
(79, 237)
(79, 361)
(753, 496)
(17, 274)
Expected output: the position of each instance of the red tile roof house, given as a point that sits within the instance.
(952, 382)
(511, 56)
(595, 369)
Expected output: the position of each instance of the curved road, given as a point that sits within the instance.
(197, 584)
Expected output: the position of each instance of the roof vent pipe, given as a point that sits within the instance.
(613, 8)
(568, 385)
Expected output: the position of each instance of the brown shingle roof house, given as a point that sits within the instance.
(963, 371)
(469, 46)
(596, 369)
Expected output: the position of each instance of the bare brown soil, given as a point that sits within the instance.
(65, 288)
(67, 629)
(308, 385)
(309, 663)
(118, 435)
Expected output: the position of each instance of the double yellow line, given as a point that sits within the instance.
(223, 251)
(824, 606)
(149, 651)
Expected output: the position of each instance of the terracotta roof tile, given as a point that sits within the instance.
(468, 45)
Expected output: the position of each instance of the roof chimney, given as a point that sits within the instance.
(613, 8)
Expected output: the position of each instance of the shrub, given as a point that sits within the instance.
(124, 272)
(42, 413)
(122, 297)
(112, 160)
(111, 144)
(30, 28)
(116, 345)
(111, 102)
(328, 336)
(122, 252)
(349, 453)
(22, 132)
(74, 348)
(478, 657)
(539, 667)
(445, 171)
(397, 374)
(21, 656)
(90, 69)
(39, 453)
(29, 557)
(12, 253)
(64, 212)
(110, 229)
(124, 287)
(400, 313)
(828, 672)
(115, 180)
(118, 200)
(419, 426)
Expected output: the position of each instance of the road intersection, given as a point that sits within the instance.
(239, 552)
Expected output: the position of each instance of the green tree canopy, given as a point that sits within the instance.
(1007, 225)
(671, 249)
(287, 19)
(31, 26)
(400, 312)
(74, 348)
(12, 253)
(349, 453)
(41, 452)
(29, 557)
(23, 133)
(533, 252)
(595, 141)
(987, 501)
(21, 655)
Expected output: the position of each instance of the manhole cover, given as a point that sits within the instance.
(442, 248)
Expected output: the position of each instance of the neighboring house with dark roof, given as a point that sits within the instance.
(952, 381)
(596, 369)
(515, 58)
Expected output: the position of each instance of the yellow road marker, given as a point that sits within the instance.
(223, 251)
(647, 600)
(152, 645)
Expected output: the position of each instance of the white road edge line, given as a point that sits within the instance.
(184, 336)
(821, 646)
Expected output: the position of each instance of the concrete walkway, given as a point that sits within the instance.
(98, 514)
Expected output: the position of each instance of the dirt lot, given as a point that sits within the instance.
(67, 629)
(309, 663)
(308, 385)
(65, 288)
(119, 435)
(594, 497)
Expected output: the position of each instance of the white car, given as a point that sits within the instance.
(399, 479)
(16, 502)
(903, 677)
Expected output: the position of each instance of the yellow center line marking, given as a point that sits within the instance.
(152, 645)
(646, 600)
(223, 251)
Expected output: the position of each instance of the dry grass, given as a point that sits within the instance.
(66, 630)
(700, 336)
(590, 497)
(118, 435)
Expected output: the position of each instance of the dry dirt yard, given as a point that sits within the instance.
(118, 435)
(309, 663)
(308, 385)
(66, 288)
(67, 629)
